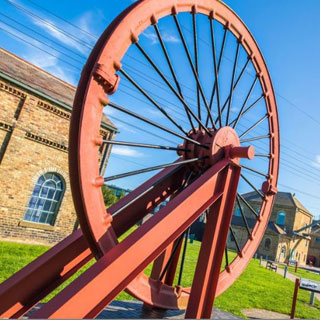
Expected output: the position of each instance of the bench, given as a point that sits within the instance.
(271, 266)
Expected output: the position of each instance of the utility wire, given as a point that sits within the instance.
(95, 38)
(41, 35)
(58, 57)
(64, 20)
(47, 52)
(45, 21)
(42, 42)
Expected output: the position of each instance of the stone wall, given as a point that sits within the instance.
(314, 248)
(295, 218)
(34, 140)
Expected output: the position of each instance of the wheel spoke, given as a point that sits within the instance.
(235, 239)
(254, 126)
(168, 59)
(215, 85)
(135, 115)
(226, 255)
(244, 217)
(183, 258)
(135, 172)
(140, 195)
(249, 108)
(195, 41)
(262, 155)
(177, 94)
(245, 102)
(248, 205)
(216, 73)
(143, 145)
(255, 138)
(153, 102)
(255, 171)
(173, 253)
(234, 87)
(232, 81)
(252, 186)
(168, 264)
(193, 69)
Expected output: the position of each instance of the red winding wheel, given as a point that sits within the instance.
(218, 134)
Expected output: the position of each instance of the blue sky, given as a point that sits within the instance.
(286, 31)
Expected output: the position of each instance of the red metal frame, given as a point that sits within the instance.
(120, 266)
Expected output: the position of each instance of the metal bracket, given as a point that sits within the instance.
(108, 82)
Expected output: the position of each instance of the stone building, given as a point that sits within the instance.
(35, 197)
(314, 247)
(283, 239)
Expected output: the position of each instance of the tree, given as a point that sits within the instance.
(109, 196)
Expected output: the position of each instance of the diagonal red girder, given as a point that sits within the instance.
(99, 285)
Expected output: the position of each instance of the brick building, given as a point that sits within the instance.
(283, 239)
(35, 197)
(314, 247)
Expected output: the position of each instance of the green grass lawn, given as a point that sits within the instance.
(256, 288)
(303, 273)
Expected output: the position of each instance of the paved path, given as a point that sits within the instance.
(135, 310)
(290, 276)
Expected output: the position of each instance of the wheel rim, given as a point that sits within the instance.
(91, 98)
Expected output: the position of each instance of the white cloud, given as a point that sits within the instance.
(165, 36)
(50, 64)
(61, 31)
(154, 112)
(317, 162)
(235, 109)
(125, 151)
(109, 111)
(60, 36)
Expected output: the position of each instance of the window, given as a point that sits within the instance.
(45, 200)
(238, 212)
(202, 218)
(283, 252)
(231, 237)
(267, 244)
(317, 240)
(281, 218)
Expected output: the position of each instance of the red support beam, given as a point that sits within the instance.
(122, 264)
(28, 286)
(214, 240)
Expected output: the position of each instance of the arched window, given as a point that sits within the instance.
(281, 218)
(238, 212)
(267, 244)
(45, 200)
(283, 252)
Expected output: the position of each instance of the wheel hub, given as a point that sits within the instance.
(213, 147)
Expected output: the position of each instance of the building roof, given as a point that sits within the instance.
(300, 206)
(282, 198)
(15, 69)
(272, 227)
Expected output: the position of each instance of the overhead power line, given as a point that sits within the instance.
(42, 42)
(47, 52)
(95, 38)
(43, 36)
(62, 19)
(91, 46)
(51, 25)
